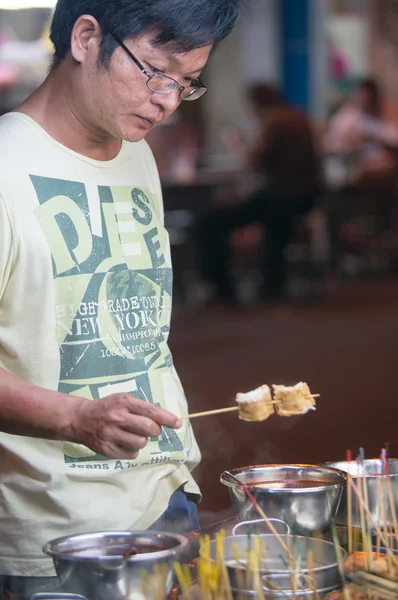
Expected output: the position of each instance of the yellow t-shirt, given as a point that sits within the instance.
(85, 303)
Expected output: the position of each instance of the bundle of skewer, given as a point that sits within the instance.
(249, 568)
(369, 573)
(249, 578)
(212, 580)
(372, 566)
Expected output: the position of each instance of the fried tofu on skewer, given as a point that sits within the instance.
(294, 400)
(256, 405)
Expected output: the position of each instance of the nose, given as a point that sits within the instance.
(169, 102)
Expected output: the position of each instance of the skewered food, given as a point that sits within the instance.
(354, 593)
(255, 405)
(357, 561)
(258, 405)
(294, 400)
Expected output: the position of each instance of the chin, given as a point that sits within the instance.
(133, 136)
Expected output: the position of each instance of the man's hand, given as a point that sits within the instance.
(119, 426)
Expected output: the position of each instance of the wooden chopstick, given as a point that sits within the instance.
(218, 411)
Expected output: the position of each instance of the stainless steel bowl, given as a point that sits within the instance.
(95, 564)
(370, 472)
(324, 576)
(304, 509)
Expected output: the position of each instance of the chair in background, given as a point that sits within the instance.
(184, 206)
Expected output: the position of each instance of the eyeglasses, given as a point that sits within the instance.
(162, 84)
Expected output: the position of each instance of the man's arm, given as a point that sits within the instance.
(116, 426)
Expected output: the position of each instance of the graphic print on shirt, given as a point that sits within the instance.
(113, 286)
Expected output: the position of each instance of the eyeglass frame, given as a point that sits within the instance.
(151, 76)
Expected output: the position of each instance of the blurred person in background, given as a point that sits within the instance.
(359, 133)
(176, 147)
(89, 397)
(286, 161)
(360, 149)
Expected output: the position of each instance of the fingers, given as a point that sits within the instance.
(123, 445)
(119, 425)
(153, 412)
(119, 452)
(129, 443)
(142, 426)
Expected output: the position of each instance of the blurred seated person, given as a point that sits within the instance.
(361, 136)
(176, 146)
(285, 158)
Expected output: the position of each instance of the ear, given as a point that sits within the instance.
(86, 37)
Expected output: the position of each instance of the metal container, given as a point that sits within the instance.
(275, 576)
(304, 509)
(370, 472)
(97, 566)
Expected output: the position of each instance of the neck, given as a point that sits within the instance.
(54, 108)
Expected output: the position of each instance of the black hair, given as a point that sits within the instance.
(182, 24)
(372, 88)
(263, 95)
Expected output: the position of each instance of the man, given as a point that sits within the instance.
(286, 160)
(89, 398)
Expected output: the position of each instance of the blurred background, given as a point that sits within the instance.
(281, 201)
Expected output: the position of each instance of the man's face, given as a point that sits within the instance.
(116, 99)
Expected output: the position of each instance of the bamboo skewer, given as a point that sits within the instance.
(380, 500)
(260, 511)
(311, 573)
(364, 483)
(265, 518)
(238, 572)
(385, 526)
(224, 572)
(375, 580)
(256, 570)
(368, 513)
(390, 496)
(214, 583)
(362, 521)
(340, 561)
(385, 513)
(349, 513)
(218, 411)
(349, 505)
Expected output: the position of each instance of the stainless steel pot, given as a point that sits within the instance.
(275, 576)
(98, 566)
(370, 472)
(303, 509)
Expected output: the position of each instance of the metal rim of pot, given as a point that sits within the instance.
(340, 473)
(55, 554)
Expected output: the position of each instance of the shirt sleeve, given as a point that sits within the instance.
(6, 247)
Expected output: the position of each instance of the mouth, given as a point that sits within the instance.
(147, 123)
